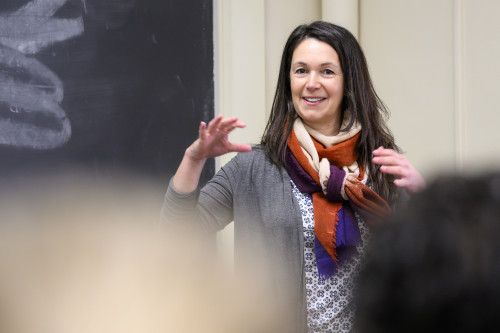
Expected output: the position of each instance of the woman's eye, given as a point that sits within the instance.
(328, 72)
(300, 71)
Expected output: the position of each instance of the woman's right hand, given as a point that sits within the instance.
(213, 139)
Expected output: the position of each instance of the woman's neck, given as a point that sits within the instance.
(331, 129)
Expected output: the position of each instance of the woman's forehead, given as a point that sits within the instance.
(312, 50)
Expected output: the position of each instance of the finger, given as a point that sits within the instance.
(226, 126)
(240, 124)
(228, 129)
(402, 182)
(214, 123)
(202, 130)
(393, 170)
(239, 147)
(380, 151)
(229, 124)
(388, 160)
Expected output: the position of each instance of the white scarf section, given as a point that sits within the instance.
(304, 133)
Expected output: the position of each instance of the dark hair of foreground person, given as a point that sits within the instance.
(436, 266)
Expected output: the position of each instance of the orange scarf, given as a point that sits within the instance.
(325, 211)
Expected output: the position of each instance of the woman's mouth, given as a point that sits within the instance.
(313, 99)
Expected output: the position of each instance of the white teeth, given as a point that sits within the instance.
(313, 100)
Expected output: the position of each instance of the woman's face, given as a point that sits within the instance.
(317, 85)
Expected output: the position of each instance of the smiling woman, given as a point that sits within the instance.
(317, 86)
(303, 200)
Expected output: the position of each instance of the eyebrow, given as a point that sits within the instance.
(301, 63)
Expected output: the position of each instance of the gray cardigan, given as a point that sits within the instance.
(257, 196)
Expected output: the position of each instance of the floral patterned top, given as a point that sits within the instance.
(329, 302)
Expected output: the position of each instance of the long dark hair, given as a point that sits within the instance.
(359, 98)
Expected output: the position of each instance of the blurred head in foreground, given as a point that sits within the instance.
(436, 266)
(78, 255)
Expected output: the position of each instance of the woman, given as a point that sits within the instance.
(300, 200)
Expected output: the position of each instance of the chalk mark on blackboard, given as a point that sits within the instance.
(26, 85)
(32, 27)
(84, 3)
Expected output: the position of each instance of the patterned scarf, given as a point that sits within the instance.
(327, 168)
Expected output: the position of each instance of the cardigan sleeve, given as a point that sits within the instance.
(207, 210)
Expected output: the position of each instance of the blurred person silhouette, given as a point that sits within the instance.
(435, 267)
(83, 255)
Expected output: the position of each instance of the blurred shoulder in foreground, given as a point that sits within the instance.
(435, 267)
(82, 255)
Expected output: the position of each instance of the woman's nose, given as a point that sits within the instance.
(312, 81)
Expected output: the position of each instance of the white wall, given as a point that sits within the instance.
(409, 47)
(434, 63)
(481, 73)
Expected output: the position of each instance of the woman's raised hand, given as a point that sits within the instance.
(213, 139)
(393, 163)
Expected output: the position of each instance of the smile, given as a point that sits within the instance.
(314, 99)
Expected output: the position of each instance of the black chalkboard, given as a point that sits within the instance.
(104, 84)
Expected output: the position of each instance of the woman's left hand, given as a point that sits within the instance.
(394, 163)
